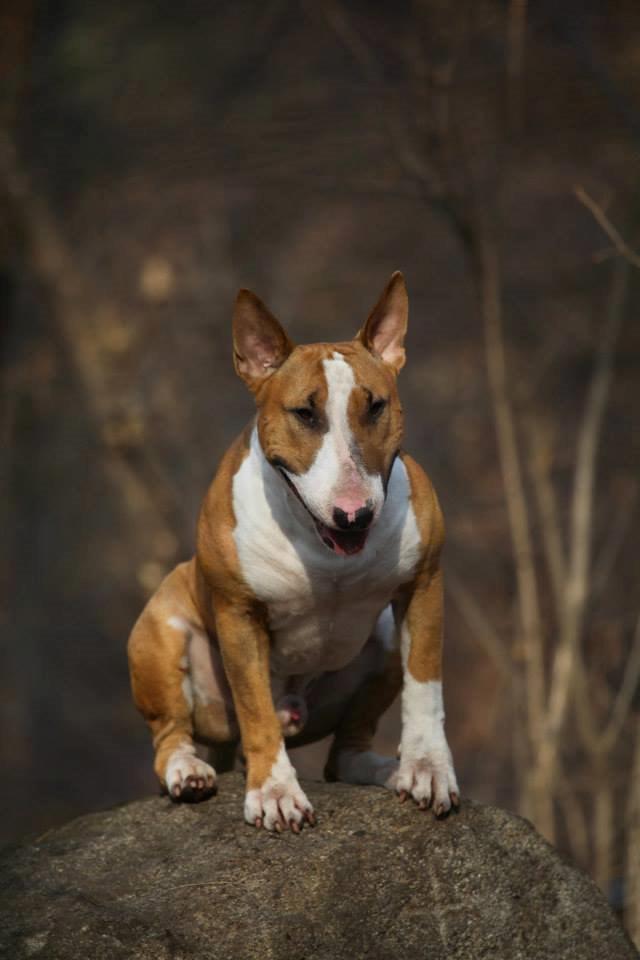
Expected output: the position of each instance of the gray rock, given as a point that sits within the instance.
(374, 879)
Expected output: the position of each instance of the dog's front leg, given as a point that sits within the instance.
(274, 798)
(426, 770)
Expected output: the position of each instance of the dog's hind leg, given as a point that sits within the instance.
(171, 689)
(351, 759)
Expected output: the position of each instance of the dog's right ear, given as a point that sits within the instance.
(260, 345)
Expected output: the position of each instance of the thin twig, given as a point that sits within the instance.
(624, 699)
(539, 467)
(612, 232)
(490, 291)
(482, 630)
(567, 655)
(617, 533)
(574, 819)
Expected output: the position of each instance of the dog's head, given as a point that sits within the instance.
(329, 415)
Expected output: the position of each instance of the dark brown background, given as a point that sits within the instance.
(161, 155)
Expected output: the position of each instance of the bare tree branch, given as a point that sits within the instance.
(614, 235)
(624, 699)
(602, 830)
(483, 631)
(617, 532)
(539, 468)
(582, 511)
(574, 819)
(601, 743)
(517, 510)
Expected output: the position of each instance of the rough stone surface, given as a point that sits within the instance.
(375, 879)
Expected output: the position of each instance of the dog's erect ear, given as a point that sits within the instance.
(260, 345)
(384, 332)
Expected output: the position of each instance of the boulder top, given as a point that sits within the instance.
(377, 879)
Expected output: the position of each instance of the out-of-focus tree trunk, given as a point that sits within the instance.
(603, 835)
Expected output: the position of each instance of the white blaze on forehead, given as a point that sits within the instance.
(338, 441)
(340, 383)
(334, 473)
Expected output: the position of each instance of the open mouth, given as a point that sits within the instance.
(345, 543)
(342, 542)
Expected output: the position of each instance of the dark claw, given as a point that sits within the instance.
(258, 822)
(310, 817)
(424, 803)
(277, 827)
(295, 826)
(455, 800)
(402, 795)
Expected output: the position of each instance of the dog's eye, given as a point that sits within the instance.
(306, 415)
(376, 407)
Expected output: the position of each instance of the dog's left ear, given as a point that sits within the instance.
(260, 345)
(384, 332)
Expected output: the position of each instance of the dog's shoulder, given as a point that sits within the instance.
(216, 549)
(426, 509)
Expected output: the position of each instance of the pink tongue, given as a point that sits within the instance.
(344, 544)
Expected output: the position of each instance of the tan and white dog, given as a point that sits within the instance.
(315, 593)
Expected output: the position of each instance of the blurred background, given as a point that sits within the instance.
(156, 156)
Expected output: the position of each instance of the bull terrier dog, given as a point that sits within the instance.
(315, 593)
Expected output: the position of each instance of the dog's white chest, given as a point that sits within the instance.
(321, 607)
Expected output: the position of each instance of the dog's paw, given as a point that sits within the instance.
(280, 802)
(278, 807)
(188, 778)
(429, 780)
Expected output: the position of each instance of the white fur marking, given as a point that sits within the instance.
(322, 607)
(334, 474)
(198, 683)
(280, 799)
(183, 626)
(426, 766)
(385, 629)
(182, 764)
(187, 691)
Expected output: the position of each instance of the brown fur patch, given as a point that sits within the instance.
(239, 621)
(378, 438)
(157, 653)
(244, 643)
(301, 382)
(422, 604)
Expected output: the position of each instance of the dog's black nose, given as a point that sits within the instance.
(359, 521)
